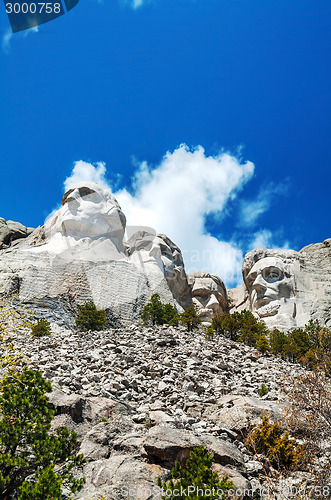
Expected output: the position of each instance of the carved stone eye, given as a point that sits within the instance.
(84, 191)
(272, 273)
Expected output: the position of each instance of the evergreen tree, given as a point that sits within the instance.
(29, 455)
(190, 318)
(209, 333)
(153, 312)
(250, 328)
(227, 324)
(278, 342)
(170, 316)
(89, 318)
(299, 343)
(196, 475)
(157, 313)
(262, 344)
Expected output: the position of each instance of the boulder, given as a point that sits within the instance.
(119, 477)
(241, 413)
(11, 231)
(166, 445)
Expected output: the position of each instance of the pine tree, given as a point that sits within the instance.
(196, 475)
(227, 324)
(157, 313)
(153, 312)
(262, 344)
(170, 316)
(190, 318)
(27, 450)
(278, 342)
(250, 328)
(89, 318)
(271, 440)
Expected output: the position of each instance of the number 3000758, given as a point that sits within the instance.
(33, 8)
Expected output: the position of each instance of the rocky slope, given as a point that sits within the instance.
(140, 398)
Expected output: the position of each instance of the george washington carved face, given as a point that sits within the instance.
(88, 210)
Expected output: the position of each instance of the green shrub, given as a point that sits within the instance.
(27, 450)
(209, 333)
(251, 329)
(190, 318)
(278, 341)
(262, 344)
(89, 318)
(157, 313)
(170, 316)
(197, 473)
(41, 328)
(272, 441)
(263, 390)
(227, 324)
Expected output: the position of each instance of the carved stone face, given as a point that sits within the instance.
(268, 282)
(88, 210)
(208, 294)
(148, 250)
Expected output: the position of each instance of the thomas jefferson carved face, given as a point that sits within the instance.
(208, 294)
(268, 282)
(88, 210)
(146, 249)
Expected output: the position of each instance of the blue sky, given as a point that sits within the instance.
(123, 86)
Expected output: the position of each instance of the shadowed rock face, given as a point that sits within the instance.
(208, 294)
(286, 288)
(11, 231)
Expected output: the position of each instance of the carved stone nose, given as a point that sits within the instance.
(73, 195)
(212, 302)
(259, 283)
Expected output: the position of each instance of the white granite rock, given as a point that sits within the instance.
(79, 255)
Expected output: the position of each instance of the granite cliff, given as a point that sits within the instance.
(83, 252)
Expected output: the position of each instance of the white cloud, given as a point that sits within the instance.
(7, 37)
(175, 197)
(84, 171)
(264, 238)
(135, 4)
(251, 210)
